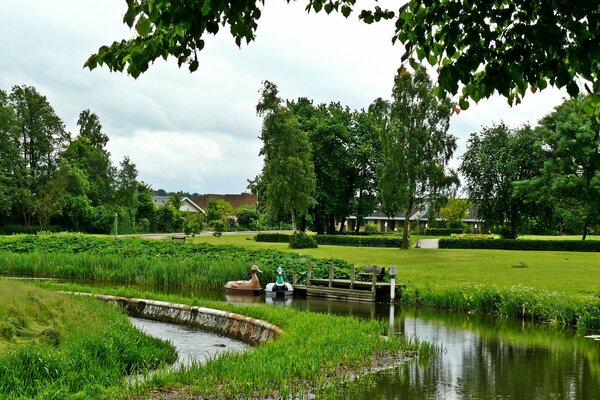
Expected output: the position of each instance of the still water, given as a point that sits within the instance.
(193, 345)
(477, 358)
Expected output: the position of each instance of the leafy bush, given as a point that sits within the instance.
(443, 231)
(193, 224)
(513, 244)
(273, 237)
(360, 241)
(369, 228)
(300, 240)
(246, 218)
(218, 226)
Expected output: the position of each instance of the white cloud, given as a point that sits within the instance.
(198, 132)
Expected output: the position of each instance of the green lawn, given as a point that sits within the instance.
(574, 273)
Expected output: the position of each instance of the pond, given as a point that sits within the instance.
(477, 357)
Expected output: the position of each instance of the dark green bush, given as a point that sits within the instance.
(360, 241)
(514, 244)
(300, 240)
(273, 237)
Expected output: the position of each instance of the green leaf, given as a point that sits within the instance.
(206, 7)
(464, 104)
(143, 26)
(432, 60)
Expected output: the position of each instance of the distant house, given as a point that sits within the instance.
(236, 200)
(385, 223)
(186, 204)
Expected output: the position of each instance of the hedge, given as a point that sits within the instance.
(514, 244)
(360, 241)
(337, 240)
(273, 237)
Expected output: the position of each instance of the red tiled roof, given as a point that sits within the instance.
(236, 200)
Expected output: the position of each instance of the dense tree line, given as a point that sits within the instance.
(51, 179)
(393, 155)
(542, 180)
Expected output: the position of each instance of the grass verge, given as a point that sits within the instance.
(314, 353)
(59, 346)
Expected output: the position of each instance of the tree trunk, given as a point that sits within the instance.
(293, 215)
(342, 225)
(331, 224)
(357, 227)
(405, 243)
(585, 227)
(392, 225)
(303, 223)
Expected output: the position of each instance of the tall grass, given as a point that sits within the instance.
(515, 301)
(58, 346)
(315, 352)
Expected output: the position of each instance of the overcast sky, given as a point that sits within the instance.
(199, 132)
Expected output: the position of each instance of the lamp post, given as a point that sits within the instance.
(418, 214)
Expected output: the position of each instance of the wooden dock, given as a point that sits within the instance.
(344, 289)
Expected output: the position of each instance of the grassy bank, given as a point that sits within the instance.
(438, 278)
(315, 351)
(59, 346)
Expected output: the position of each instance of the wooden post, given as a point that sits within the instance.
(352, 275)
(374, 287)
(330, 274)
(294, 279)
(309, 272)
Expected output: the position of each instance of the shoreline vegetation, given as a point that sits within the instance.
(542, 286)
(314, 354)
(53, 344)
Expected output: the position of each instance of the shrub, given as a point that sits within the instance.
(513, 244)
(371, 228)
(218, 227)
(246, 218)
(443, 231)
(193, 224)
(360, 241)
(273, 237)
(300, 240)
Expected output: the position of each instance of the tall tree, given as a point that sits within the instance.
(416, 147)
(496, 158)
(571, 173)
(480, 46)
(328, 128)
(127, 184)
(90, 128)
(42, 137)
(365, 151)
(288, 171)
(9, 157)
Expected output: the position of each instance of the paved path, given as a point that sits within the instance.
(428, 243)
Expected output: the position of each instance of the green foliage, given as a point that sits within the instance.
(495, 159)
(56, 344)
(218, 226)
(512, 244)
(371, 228)
(486, 46)
(217, 209)
(194, 223)
(516, 301)
(416, 147)
(455, 210)
(479, 46)
(571, 173)
(288, 171)
(247, 218)
(273, 237)
(148, 262)
(361, 241)
(168, 219)
(442, 231)
(300, 240)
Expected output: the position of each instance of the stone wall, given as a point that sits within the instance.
(250, 330)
